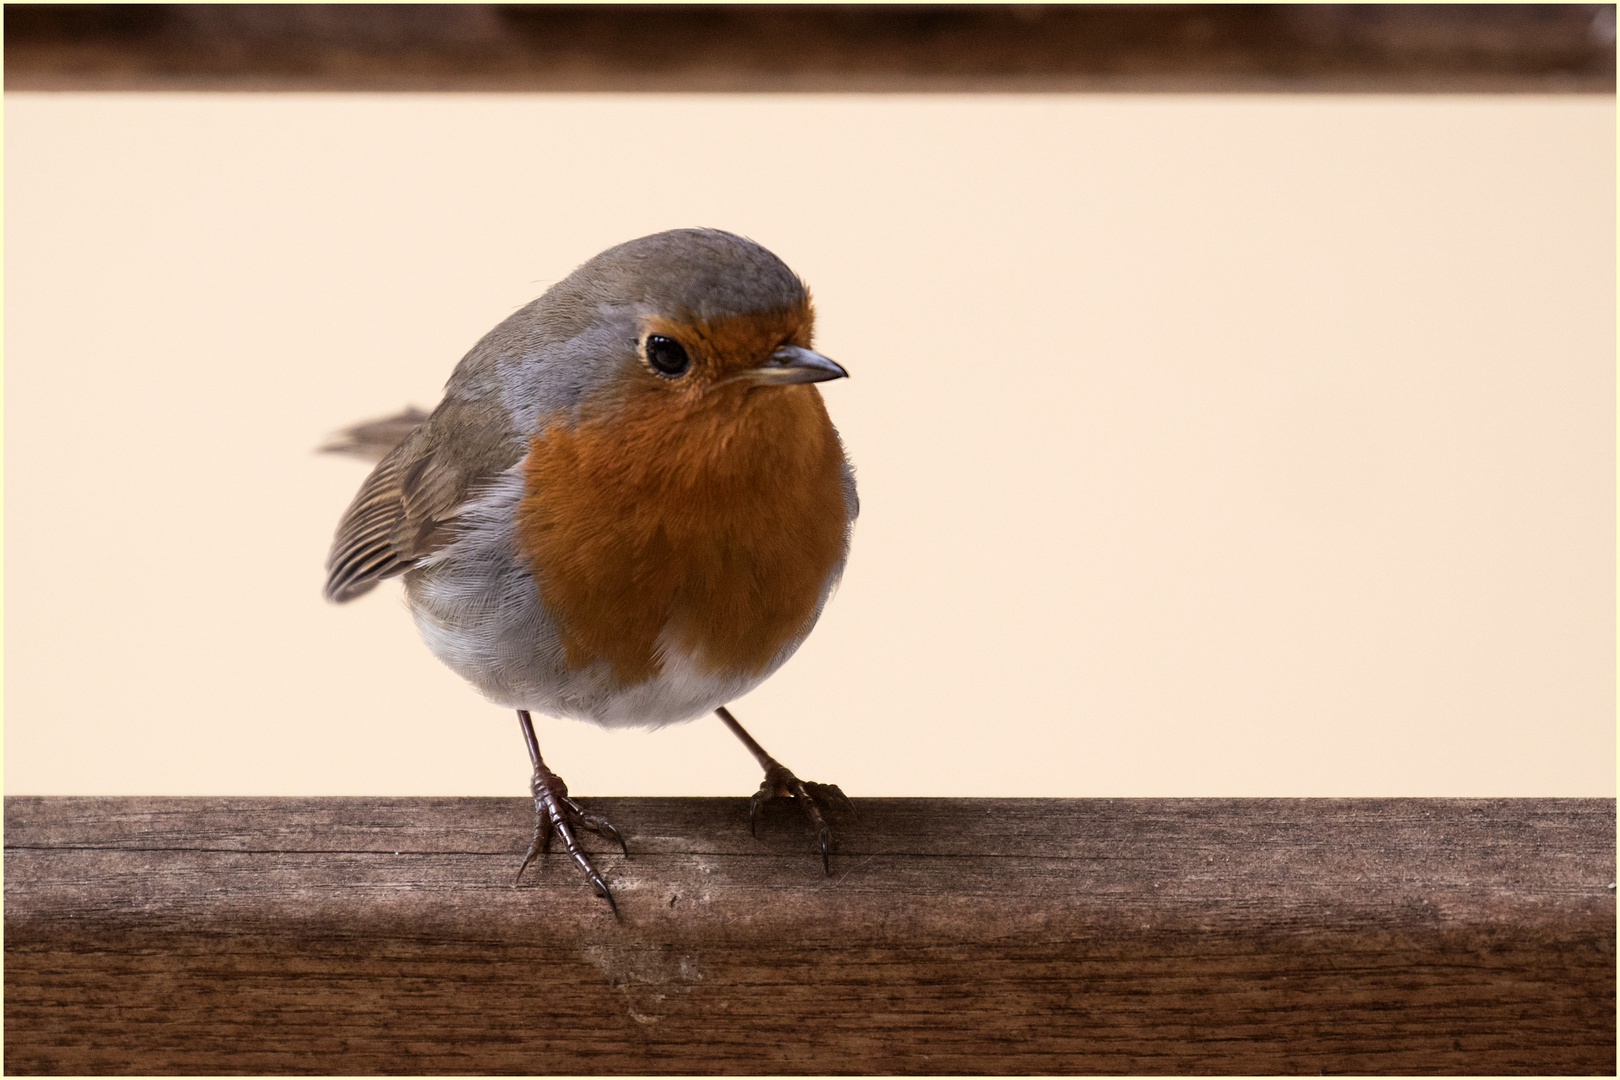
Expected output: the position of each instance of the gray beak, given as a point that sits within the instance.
(791, 364)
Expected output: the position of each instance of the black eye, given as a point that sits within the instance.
(666, 355)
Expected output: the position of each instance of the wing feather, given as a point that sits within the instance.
(395, 520)
(408, 506)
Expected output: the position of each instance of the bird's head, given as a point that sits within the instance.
(681, 322)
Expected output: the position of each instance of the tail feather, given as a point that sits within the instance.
(373, 439)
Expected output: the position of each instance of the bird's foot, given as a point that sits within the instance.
(555, 813)
(811, 798)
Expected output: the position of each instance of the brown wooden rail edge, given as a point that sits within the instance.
(249, 935)
(819, 47)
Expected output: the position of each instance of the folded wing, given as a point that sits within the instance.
(407, 508)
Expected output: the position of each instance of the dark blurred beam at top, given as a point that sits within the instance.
(1530, 48)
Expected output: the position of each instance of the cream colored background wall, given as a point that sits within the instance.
(1207, 445)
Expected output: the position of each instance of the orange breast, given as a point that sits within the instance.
(713, 528)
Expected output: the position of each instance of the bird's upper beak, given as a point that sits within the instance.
(790, 364)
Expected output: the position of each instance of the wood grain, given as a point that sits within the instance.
(163, 935)
(1493, 48)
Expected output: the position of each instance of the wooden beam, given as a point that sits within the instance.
(230, 935)
(1537, 48)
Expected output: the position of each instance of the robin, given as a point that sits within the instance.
(629, 508)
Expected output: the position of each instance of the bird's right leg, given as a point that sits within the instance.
(555, 812)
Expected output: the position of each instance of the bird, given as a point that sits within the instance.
(629, 508)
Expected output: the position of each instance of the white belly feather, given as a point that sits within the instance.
(478, 609)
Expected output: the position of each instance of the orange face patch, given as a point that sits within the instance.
(680, 514)
(722, 347)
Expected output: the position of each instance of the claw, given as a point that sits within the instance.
(555, 814)
(605, 893)
(753, 810)
(602, 827)
(539, 845)
(842, 798)
(780, 782)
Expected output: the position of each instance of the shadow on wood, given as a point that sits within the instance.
(162, 935)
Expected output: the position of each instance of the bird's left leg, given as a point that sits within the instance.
(781, 783)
